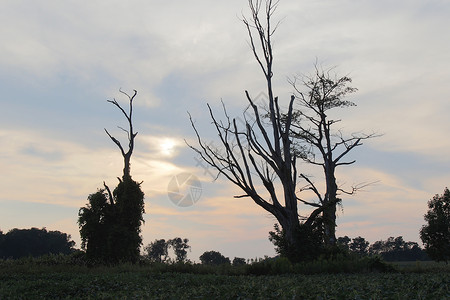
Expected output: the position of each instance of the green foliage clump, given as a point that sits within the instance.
(308, 244)
(436, 233)
(110, 224)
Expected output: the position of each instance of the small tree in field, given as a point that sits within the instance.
(214, 258)
(157, 251)
(435, 235)
(180, 247)
(110, 223)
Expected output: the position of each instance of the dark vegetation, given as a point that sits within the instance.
(65, 276)
(392, 249)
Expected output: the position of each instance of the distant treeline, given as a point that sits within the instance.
(34, 242)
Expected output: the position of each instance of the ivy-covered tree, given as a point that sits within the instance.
(435, 235)
(110, 224)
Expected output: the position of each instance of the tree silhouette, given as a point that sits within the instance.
(260, 156)
(435, 235)
(110, 224)
(359, 245)
(157, 251)
(239, 261)
(318, 144)
(214, 258)
(180, 247)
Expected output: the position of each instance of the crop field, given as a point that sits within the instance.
(134, 282)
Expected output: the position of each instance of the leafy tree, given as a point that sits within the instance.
(238, 261)
(157, 251)
(214, 258)
(344, 242)
(435, 235)
(180, 247)
(359, 245)
(34, 242)
(110, 223)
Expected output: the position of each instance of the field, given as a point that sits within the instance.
(416, 281)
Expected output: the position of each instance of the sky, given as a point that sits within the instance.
(60, 61)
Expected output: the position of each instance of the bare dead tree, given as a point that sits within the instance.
(130, 133)
(320, 145)
(259, 158)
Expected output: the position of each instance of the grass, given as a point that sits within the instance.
(44, 279)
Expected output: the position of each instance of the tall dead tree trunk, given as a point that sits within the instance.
(130, 133)
(321, 146)
(258, 157)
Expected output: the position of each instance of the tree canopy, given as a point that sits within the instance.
(214, 258)
(435, 234)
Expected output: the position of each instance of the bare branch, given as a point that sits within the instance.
(357, 188)
(111, 199)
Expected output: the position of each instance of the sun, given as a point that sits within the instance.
(167, 147)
